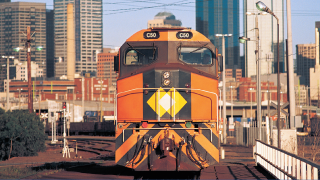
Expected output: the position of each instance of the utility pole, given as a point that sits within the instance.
(30, 95)
(258, 78)
(101, 98)
(292, 103)
(318, 95)
(73, 104)
(19, 98)
(28, 47)
(308, 106)
(82, 92)
(39, 103)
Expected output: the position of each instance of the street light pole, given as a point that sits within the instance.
(224, 86)
(8, 57)
(250, 89)
(219, 105)
(262, 7)
(231, 102)
(258, 77)
(101, 98)
(19, 97)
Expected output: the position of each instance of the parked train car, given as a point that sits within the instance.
(106, 128)
(167, 101)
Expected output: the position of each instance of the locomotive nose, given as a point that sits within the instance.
(165, 95)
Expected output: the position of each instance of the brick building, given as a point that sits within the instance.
(105, 65)
(247, 87)
(65, 90)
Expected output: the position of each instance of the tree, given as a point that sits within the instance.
(21, 134)
(315, 138)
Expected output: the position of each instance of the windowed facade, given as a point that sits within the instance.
(105, 65)
(14, 18)
(85, 32)
(221, 17)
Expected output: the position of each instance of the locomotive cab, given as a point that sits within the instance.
(167, 102)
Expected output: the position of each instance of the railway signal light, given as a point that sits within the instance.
(64, 105)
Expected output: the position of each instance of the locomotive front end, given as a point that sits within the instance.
(167, 102)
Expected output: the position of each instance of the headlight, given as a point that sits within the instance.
(166, 75)
(166, 82)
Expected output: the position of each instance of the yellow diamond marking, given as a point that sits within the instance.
(171, 102)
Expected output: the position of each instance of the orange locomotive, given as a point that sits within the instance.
(167, 102)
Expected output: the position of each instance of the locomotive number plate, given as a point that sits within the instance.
(184, 35)
(151, 35)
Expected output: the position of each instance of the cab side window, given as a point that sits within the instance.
(195, 55)
(140, 55)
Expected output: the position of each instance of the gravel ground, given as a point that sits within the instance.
(50, 155)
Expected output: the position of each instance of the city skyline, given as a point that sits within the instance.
(267, 30)
(88, 33)
(304, 15)
(221, 17)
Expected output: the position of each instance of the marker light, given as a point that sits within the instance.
(144, 124)
(187, 85)
(146, 85)
(188, 124)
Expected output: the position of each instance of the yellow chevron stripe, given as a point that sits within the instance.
(129, 143)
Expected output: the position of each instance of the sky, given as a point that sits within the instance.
(122, 18)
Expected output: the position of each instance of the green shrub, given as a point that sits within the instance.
(21, 134)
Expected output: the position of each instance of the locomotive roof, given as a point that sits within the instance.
(168, 34)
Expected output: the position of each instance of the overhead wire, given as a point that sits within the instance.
(180, 4)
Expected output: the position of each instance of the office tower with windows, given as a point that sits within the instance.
(50, 42)
(88, 35)
(267, 26)
(221, 17)
(15, 17)
(306, 56)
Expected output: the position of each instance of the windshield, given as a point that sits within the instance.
(140, 55)
(195, 55)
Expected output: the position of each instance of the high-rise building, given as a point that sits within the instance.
(315, 71)
(267, 26)
(221, 17)
(164, 19)
(50, 42)
(88, 35)
(15, 17)
(306, 55)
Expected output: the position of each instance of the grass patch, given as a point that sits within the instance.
(20, 172)
(15, 172)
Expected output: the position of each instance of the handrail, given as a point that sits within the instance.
(174, 89)
(293, 155)
(283, 164)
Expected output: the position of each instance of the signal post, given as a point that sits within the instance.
(65, 150)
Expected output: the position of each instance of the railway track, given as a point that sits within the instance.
(103, 148)
(102, 166)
